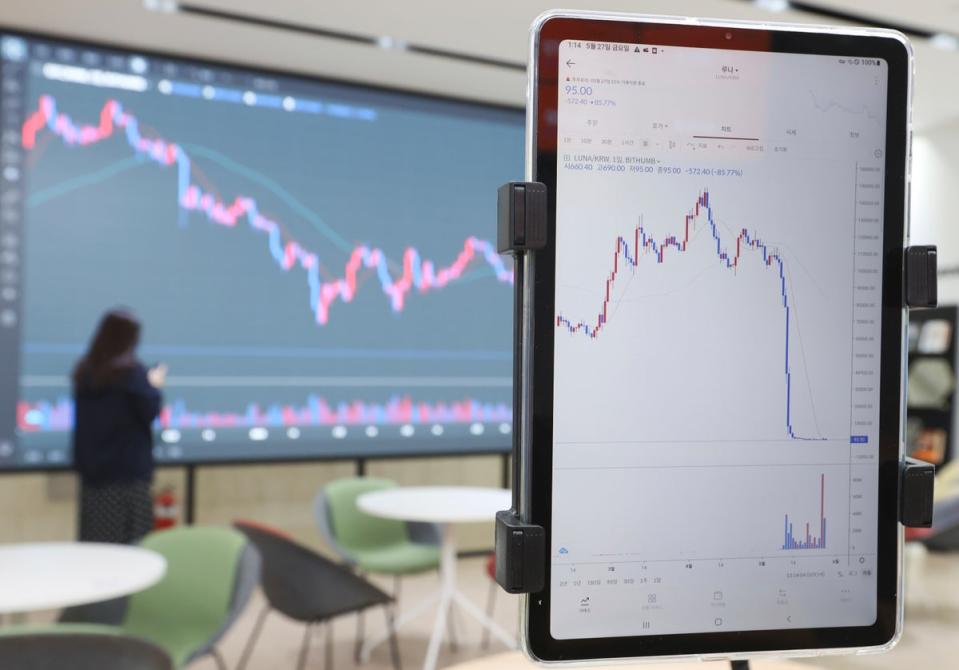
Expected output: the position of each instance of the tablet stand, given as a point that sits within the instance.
(521, 552)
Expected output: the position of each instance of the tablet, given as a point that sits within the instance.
(716, 348)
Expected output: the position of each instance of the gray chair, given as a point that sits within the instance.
(80, 651)
(309, 588)
(944, 534)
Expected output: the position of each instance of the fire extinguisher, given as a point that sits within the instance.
(165, 510)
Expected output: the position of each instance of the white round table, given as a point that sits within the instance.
(50, 575)
(446, 506)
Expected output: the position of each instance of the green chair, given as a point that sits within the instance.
(211, 574)
(373, 544)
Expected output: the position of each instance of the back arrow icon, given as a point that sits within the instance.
(570, 63)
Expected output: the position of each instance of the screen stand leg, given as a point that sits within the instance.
(739, 665)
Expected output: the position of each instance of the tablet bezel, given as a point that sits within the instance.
(548, 31)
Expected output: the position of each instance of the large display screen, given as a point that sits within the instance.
(719, 227)
(315, 262)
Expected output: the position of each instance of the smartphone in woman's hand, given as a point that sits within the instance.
(157, 375)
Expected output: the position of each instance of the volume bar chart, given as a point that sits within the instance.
(317, 412)
(808, 540)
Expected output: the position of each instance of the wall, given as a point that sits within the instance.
(935, 186)
(41, 507)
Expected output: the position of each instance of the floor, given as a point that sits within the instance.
(930, 640)
(281, 639)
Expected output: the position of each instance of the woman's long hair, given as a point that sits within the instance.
(112, 352)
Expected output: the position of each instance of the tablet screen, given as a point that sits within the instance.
(719, 221)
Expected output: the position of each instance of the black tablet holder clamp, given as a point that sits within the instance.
(521, 551)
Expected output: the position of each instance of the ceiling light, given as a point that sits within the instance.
(772, 5)
(387, 42)
(166, 6)
(945, 41)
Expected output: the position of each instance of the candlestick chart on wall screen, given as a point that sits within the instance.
(314, 261)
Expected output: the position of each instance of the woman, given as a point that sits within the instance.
(116, 400)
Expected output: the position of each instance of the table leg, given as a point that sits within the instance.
(398, 623)
(480, 616)
(447, 593)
